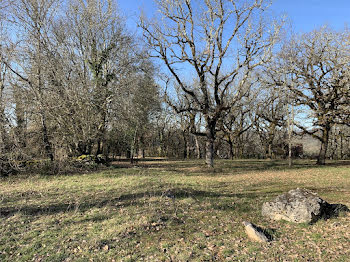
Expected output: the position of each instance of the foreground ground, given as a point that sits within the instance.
(169, 211)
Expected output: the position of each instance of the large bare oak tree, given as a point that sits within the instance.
(216, 44)
(319, 62)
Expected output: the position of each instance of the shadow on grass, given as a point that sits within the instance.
(335, 210)
(222, 167)
(134, 199)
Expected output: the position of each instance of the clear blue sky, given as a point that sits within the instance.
(306, 15)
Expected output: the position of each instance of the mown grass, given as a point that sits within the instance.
(170, 211)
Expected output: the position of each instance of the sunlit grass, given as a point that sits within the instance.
(169, 211)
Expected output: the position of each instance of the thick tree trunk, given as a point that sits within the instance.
(241, 151)
(99, 147)
(101, 137)
(269, 151)
(231, 148)
(321, 160)
(209, 156)
(209, 145)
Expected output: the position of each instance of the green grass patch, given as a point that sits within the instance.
(170, 211)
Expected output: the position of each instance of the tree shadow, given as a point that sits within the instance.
(225, 167)
(121, 201)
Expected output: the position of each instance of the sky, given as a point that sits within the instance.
(306, 15)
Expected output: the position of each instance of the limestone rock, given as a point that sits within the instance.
(298, 206)
(254, 233)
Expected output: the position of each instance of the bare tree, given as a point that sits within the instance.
(235, 124)
(3, 74)
(10, 151)
(270, 116)
(220, 42)
(320, 61)
(75, 76)
(103, 45)
(2, 87)
(33, 20)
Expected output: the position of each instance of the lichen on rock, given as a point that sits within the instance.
(298, 206)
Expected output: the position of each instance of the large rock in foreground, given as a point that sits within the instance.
(298, 206)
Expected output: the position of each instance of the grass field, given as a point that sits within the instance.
(170, 211)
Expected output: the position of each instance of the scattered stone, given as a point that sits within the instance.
(336, 224)
(300, 206)
(255, 233)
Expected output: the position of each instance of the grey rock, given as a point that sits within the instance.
(298, 206)
(255, 233)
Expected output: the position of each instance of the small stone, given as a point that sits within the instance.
(336, 224)
(254, 233)
(106, 247)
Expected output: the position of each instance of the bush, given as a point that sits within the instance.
(99, 159)
(10, 164)
(47, 168)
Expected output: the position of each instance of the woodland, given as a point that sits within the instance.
(165, 141)
(215, 79)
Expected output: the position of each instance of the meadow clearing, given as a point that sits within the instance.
(161, 210)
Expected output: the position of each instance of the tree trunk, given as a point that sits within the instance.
(270, 140)
(128, 153)
(188, 148)
(19, 108)
(2, 129)
(198, 149)
(241, 151)
(133, 146)
(209, 145)
(321, 160)
(290, 154)
(185, 145)
(269, 151)
(335, 148)
(2, 114)
(99, 147)
(2, 117)
(101, 136)
(341, 147)
(47, 144)
(231, 148)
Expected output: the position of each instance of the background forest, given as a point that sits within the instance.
(207, 79)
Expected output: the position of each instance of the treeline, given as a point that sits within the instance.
(75, 82)
(234, 69)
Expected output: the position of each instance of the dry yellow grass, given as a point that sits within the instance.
(170, 211)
